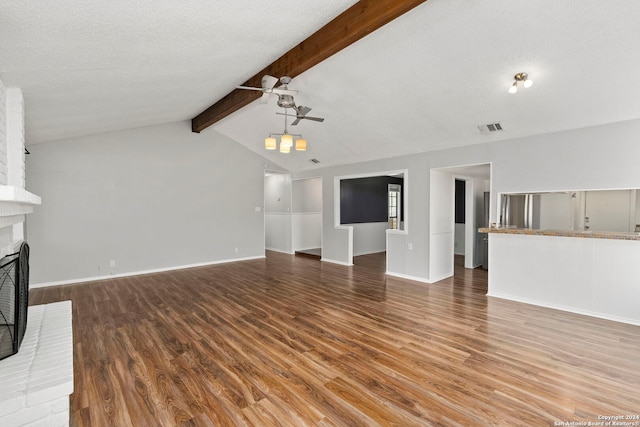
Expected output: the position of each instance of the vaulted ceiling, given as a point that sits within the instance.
(423, 82)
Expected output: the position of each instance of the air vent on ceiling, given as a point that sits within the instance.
(490, 128)
(314, 161)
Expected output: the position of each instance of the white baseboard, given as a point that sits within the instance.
(138, 273)
(375, 251)
(439, 278)
(333, 261)
(408, 277)
(279, 250)
(564, 308)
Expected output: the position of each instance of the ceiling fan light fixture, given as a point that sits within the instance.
(270, 143)
(285, 148)
(287, 140)
(520, 77)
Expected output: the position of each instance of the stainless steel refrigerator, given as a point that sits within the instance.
(520, 210)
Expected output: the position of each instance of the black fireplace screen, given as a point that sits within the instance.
(14, 299)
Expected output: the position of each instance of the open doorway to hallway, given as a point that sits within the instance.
(306, 217)
(445, 229)
(292, 213)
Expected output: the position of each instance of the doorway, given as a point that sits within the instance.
(476, 180)
(277, 211)
(306, 217)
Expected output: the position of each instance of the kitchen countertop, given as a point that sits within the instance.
(617, 235)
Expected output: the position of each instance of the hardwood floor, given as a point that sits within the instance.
(292, 341)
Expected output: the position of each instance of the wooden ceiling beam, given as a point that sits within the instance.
(362, 18)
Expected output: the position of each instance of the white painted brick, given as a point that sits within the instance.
(15, 137)
(39, 394)
(12, 402)
(3, 134)
(26, 415)
(60, 405)
(13, 367)
(48, 392)
(56, 420)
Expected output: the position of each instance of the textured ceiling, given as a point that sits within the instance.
(423, 82)
(89, 66)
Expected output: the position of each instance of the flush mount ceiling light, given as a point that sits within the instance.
(286, 140)
(520, 77)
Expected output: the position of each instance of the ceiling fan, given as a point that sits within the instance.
(301, 113)
(285, 95)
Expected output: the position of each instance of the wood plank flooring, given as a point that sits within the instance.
(292, 341)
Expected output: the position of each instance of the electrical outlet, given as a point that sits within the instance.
(410, 246)
(235, 250)
(112, 263)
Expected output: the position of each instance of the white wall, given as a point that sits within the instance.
(597, 277)
(277, 216)
(277, 193)
(149, 198)
(306, 220)
(278, 232)
(556, 211)
(369, 237)
(610, 210)
(114, 195)
(307, 195)
(442, 217)
(596, 158)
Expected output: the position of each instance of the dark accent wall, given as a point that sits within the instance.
(460, 201)
(366, 199)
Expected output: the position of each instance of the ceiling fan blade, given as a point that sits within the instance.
(303, 111)
(248, 87)
(265, 98)
(268, 82)
(300, 117)
(283, 91)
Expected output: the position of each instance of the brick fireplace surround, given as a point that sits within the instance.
(35, 383)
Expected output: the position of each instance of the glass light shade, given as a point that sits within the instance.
(527, 83)
(301, 144)
(284, 148)
(287, 140)
(270, 143)
(513, 88)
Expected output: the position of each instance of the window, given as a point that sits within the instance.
(394, 206)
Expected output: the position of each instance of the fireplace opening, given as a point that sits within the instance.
(14, 300)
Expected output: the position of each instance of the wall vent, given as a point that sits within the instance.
(490, 128)
(314, 161)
